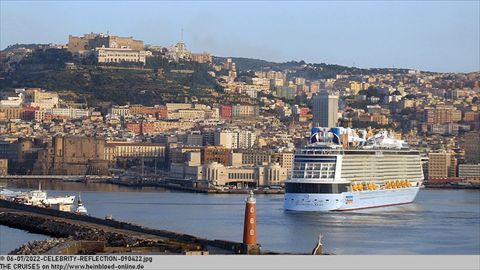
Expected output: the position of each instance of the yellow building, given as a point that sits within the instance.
(355, 87)
(3, 166)
(187, 114)
(255, 156)
(441, 165)
(162, 126)
(7, 112)
(379, 119)
(120, 149)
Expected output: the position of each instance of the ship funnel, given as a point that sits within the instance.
(336, 131)
(315, 136)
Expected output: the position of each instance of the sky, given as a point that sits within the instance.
(441, 36)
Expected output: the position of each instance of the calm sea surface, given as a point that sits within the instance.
(439, 222)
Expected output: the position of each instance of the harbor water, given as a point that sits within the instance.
(440, 221)
(11, 238)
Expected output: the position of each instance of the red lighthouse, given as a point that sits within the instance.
(250, 223)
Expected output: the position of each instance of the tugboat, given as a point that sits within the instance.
(81, 210)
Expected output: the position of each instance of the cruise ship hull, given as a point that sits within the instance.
(346, 201)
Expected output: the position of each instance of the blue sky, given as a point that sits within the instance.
(426, 35)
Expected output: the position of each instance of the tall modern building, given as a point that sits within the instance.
(325, 110)
(441, 165)
(472, 147)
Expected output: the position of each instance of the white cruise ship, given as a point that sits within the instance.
(339, 171)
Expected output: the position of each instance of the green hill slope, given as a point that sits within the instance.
(158, 83)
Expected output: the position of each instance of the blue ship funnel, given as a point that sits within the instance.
(314, 136)
(336, 131)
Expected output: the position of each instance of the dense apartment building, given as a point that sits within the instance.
(472, 147)
(255, 156)
(242, 110)
(469, 171)
(26, 103)
(235, 139)
(218, 154)
(226, 111)
(286, 92)
(441, 165)
(442, 114)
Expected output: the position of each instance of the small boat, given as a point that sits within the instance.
(34, 197)
(40, 198)
(81, 209)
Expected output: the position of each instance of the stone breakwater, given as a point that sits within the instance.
(60, 228)
(174, 241)
(38, 247)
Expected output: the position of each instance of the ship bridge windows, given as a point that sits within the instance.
(314, 170)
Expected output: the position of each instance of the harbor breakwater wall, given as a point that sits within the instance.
(73, 231)
(223, 246)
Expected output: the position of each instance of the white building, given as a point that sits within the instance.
(119, 55)
(14, 101)
(217, 174)
(120, 111)
(251, 92)
(236, 139)
(469, 171)
(37, 97)
(179, 52)
(68, 112)
(226, 138)
(246, 139)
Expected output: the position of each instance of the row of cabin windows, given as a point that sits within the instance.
(315, 188)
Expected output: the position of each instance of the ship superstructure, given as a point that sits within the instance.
(340, 170)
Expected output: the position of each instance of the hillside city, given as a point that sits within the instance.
(105, 105)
